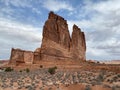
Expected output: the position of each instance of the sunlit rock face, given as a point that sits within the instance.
(56, 43)
(19, 56)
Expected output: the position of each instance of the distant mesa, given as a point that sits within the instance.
(56, 44)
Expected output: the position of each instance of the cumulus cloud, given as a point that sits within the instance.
(17, 35)
(101, 23)
(17, 3)
(6, 6)
(55, 5)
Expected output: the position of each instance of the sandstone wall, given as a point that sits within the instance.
(21, 56)
(16, 55)
(28, 57)
(56, 44)
(78, 45)
(37, 55)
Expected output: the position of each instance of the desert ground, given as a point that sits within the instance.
(85, 76)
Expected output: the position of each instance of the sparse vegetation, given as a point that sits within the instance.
(20, 71)
(55, 67)
(8, 69)
(27, 70)
(52, 70)
(118, 75)
(98, 62)
(100, 77)
(87, 87)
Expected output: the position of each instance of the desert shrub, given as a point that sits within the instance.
(118, 75)
(114, 88)
(87, 87)
(8, 69)
(100, 77)
(52, 70)
(98, 62)
(20, 71)
(55, 67)
(27, 70)
(41, 66)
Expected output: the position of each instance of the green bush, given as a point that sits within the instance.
(52, 70)
(27, 70)
(8, 69)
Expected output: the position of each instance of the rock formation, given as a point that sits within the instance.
(19, 56)
(56, 43)
(56, 38)
(78, 44)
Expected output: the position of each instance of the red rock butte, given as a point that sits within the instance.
(57, 45)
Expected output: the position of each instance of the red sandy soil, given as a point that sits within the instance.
(71, 67)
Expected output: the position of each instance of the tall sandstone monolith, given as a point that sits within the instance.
(56, 38)
(78, 44)
(56, 44)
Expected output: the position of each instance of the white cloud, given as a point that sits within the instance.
(55, 5)
(107, 6)
(17, 3)
(27, 31)
(17, 35)
(101, 22)
(22, 4)
(36, 10)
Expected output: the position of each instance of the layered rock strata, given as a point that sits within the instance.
(19, 56)
(56, 43)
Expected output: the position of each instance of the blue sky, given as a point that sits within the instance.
(21, 23)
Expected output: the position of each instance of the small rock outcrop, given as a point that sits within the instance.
(56, 43)
(19, 56)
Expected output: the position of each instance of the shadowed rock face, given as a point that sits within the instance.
(56, 40)
(56, 43)
(78, 44)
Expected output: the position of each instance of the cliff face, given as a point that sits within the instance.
(56, 29)
(19, 56)
(78, 44)
(16, 55)
(56, 40)
(56, 43)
